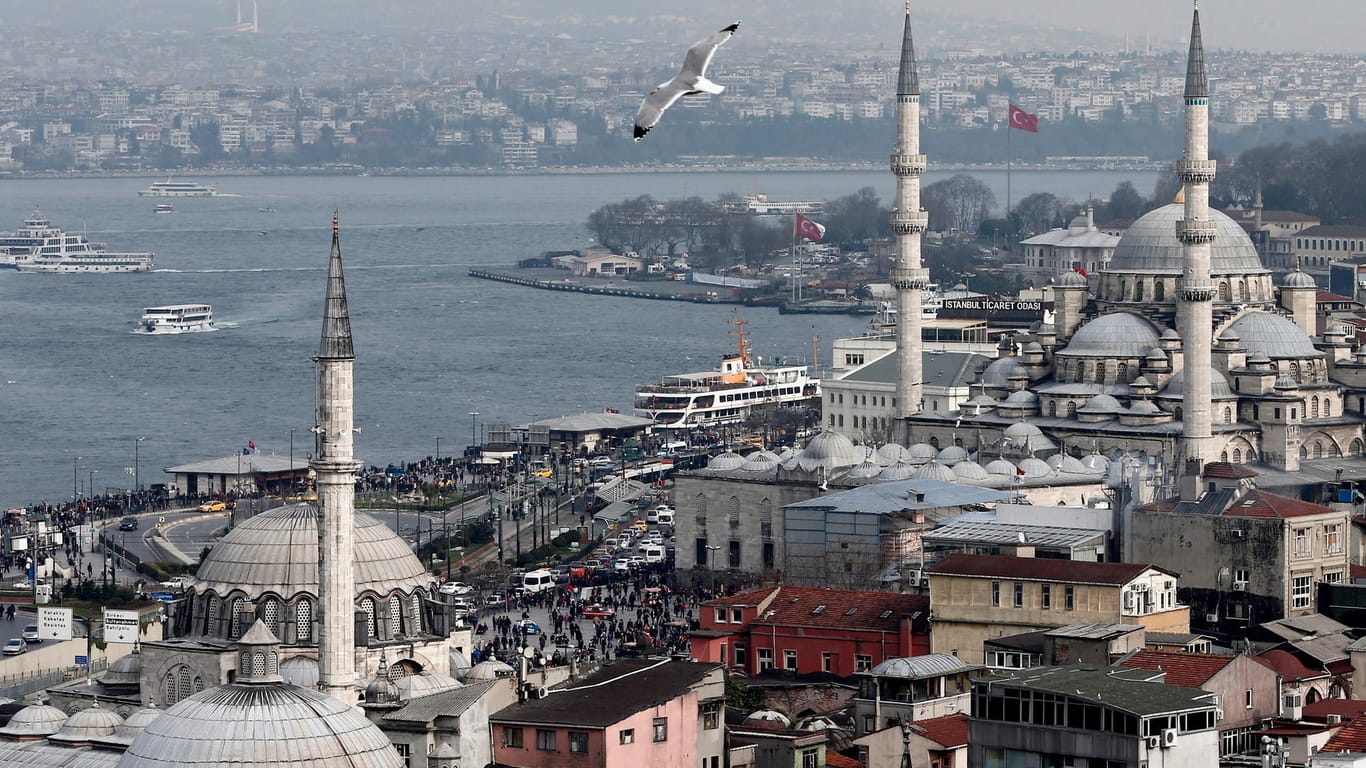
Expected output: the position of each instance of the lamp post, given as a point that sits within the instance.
(75, 491)
(90, 487)
(292, 481)
(137, 476)
(438, 449)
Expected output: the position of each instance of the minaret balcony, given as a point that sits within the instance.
(1195, 232)
(1196, 291)
(1195, 171)
(907, 279)
(910, 222)
(908, 165)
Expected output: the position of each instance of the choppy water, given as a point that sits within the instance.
(77, 385)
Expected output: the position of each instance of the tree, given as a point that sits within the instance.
(206, 137)
(856, 218)
(1125, 202)
(959, 203)
(1037, 213)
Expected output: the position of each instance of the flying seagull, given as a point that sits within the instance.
(692, 79)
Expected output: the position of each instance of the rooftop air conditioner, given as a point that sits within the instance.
(1334, 719)
(1211, 618)
(1168, 738)
(1154, 742)
(1240, 586)
(1141, 586)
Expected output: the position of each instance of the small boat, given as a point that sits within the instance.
(265, 210)
(163, 208)
(177, 318)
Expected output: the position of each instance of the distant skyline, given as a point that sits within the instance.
(1328, 26)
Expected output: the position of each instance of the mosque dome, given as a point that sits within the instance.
(125, 672)
(1101, 404)
(889, 453)
(126, 731)
(1230, 335)
(278, 725)
(1150, 246)
(724, 462)
(277, 552)
(90, 723)
(1001, 467)
(1070, 279)
(998, 374)
(1096, 463)
(1035, 467)
(489, 669)
(952, 455)
(1143, 408)
(460, 664)
(1118, 334)
(787, 452)
(1022, 397)
(1274, 336)
(1298, 279)
(34, 720)
(1286, 382)
(935, 471)
(761, 461)
(864, 470)
(1021, 429)
(1219, 388)
(301, 671)
(915, 667)
(970, 470)
(772, 716)
(827, 449)
(898, 470)
(1072, 465)
(922, 452)
(381, 690)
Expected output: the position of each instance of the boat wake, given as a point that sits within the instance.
(349, 268)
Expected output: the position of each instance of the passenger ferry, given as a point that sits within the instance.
(177, 318)
(163, 208)
(40, 247)
(170, 188)
(727, 395)
(758, 204)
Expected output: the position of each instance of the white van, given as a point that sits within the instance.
(664, 516)
(537, 581)
(654, 553)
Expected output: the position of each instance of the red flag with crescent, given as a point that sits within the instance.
(809, 229)
(1023, 120)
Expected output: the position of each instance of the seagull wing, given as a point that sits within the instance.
(699, 56)
(654, 105)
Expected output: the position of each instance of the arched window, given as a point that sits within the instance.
(1159, 290)
(234, 618)
(1295, 370)
(1318, 449)
(211, 627)
(701, 513)
(1314, 407)
(766, 519)
(180, 683)
(395, 616)
(1052, 407)
(1237, 456)
(258, 664)
(1123, 290)
(368, 605)
(733, 513)
(1356, 446)
(1242, 290)
(415, 617)
(270, 613)
(1138, 291)
(303, 620)
(1304, 451)
(934, 441)
(1179, 412)
(1327, 407)
(1122, 373)
(1251, 455)
(1224, 457)
(1071, 408)
(1334, 450)
(1223, 290)
(1228, 415)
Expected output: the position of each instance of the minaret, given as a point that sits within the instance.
(909, 278)
(1196, 231)
(335, 468)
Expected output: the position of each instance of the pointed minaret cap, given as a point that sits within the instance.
(336, 340)
(907, 82)
(1197, 81)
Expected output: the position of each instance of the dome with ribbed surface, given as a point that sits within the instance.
(1286, 382)
(274, 725)
(830, 450)
(761, 461)
(1118, 334)
(1070, 279)
(1022, 429)
(1150, 246)
(899, 470)
(916, 667)
(460, 664)
(1022, 398)
(489, 669)
(935, 471)
(424, 684)
(93, 722)
(1273, 336)
(1072, 465)
(301, 671)
(277, 552)
(723, 462)
(125, 672)
(922, 452)
(970, 470)
(1095, 463)
(952, 455)
(35, 720)
(1101, 404)
(889, 453)
(1035, 467)
(1298, 279)
(864, 471)
(1219, 388)
(997, 375)
(1001, 467)
(126, 731)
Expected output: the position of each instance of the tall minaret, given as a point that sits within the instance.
(908, 222)
(1196, 233)
(336, 468)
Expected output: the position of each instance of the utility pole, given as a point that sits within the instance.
(137, 477)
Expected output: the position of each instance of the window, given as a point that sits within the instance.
(1046, 596)
(1332, 538)
(711, 717)
(512, 737)
(790, 660)
(809, 758)
(720, 615)
(736, 616)
(734, 554)
(765, 658)
(1299, 592)
(661, 726)
(628, 736)
(1019, 594)
(996, 594)
(405, 751)
(862, 662)
(578, 741)
(1247, 699)
(1302, 542)
(741, 657)
(1069, 597)
(1332, 577)
(545, 739)
(827, 661)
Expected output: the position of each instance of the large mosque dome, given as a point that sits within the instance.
(1274, 336)
(276, 552)
(1118, 335)
(1150, 246)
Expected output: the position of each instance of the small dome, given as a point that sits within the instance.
(1286, 382)
(381, 690)
(1035, 467)
(1229, 335)
(1171, 334)
(1101, 404)
(898, 470)
(301, 671)
(827, 449)
(1096, 463)
(760, 461)
(952, 455)
(1336, 329)
(1021, 429)
(1070, 279)
(1001, 467)
(815, 723)
(125, 672)
(769, 716)
(132, 725)
(889, 453)
(1257, 358)
(1072, 465)
(723, 462)
(922, 452)
(1156, 355)
(1150, 246)
(997, 375)
(90, 723)
(489, 669)
(1219, 388)
(1298, 279)
(1022, 397)
(970, 470)
(424, 684)
(864, 471)
(1141, 382)
(1274, 335)
(934, 471)
(787, 452)
(916, 667)
(983, 400)
(1144, 408)
(35, 720)
(460, 664)
(1032, 346)
(1118, 334)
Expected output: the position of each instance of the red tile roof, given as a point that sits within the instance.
(1325, 296)
(1227, 469)
(1254, 503)
(1288, 666)
(1039, 569)
(1347, 708)
(836, 760)
(1188, 670)
(832, 608)
(747, 599)
(1352, 738)
(949, 731)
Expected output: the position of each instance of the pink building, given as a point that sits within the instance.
(634, 713)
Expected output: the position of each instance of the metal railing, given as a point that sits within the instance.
(19, 686)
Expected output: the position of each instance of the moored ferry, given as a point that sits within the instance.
(170, 188)
(727, 395)
(38, 246)
(177, 318)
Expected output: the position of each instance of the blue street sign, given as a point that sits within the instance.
(82, 660)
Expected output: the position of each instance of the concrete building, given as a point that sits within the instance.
(242, 474)
(939, 742)
(975, 598)
(1078, 246)
(1097, 714)
(1317, 246)
(861, 404)
(911, 689)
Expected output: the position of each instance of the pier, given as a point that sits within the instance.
(660, 291)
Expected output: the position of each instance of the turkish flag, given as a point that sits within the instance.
(1023, 120)
(1080, 271)
(809, 229)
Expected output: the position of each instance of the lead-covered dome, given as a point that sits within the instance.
(1298, 279)
(1219, 388)
(724, 462)
(277, 552)
(1118, 334)
(1150, 246)
(34, 720)
(1273, 336)
(828, 449)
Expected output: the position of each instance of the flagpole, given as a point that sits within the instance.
(792, 255)
(1009, 129)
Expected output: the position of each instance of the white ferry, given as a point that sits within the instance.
(163, 208)
(724, 396)
(758, 204)
(40, 247)
(170, 188)
(177, 318)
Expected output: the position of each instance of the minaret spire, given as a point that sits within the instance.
(334, 467)
(1195, 230)
(909, 222)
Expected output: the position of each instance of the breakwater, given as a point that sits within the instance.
(660, 294)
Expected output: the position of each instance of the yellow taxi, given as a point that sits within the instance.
(213, 506)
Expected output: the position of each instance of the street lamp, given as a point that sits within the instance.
(75, 491)
(137, 477)
(90, 487)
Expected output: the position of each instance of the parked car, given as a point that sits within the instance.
(456, 588)
(129, 523)
(163, 596)
(175, 583)
(213, 506)
(15, 646)
(30, 634)
(527, 627)
(462, 605)
(494, 599)
(596, 611)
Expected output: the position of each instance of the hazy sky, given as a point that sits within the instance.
(1279, 25)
